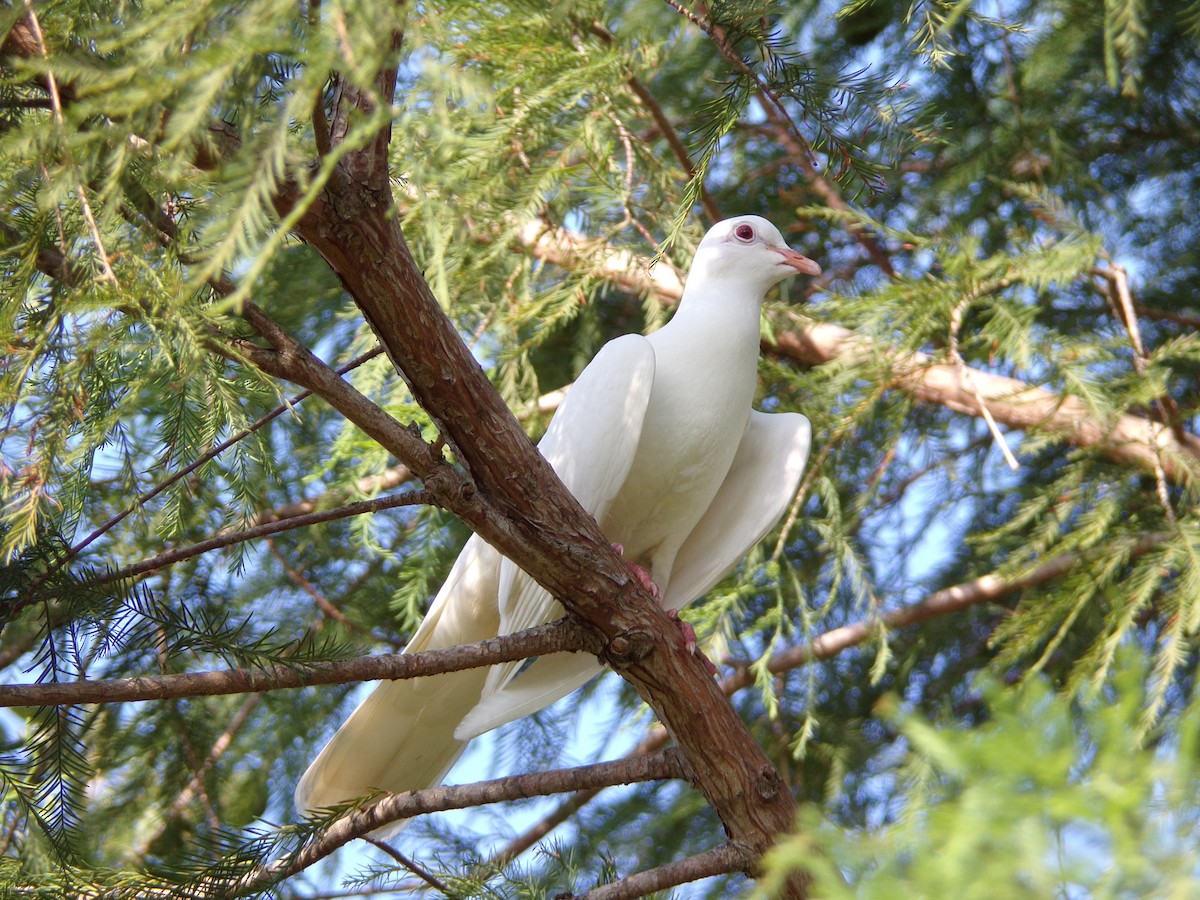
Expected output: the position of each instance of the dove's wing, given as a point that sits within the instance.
(761, 483)
(591, 443)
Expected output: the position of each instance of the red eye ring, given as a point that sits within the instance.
(744, 233)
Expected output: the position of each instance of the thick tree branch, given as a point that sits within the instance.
(389, 478)
(1127, 439)
(520, 507)
(563, 635)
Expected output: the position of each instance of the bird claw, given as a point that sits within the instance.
(640, 574)
(689, 642)
(689, 633)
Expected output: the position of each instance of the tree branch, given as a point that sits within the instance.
(786, 130)
(394, 807)
(179, 554)
(520, 507)
(389, 478)
(185, 797)
(560, 636)
(717, 861)
(666, 129)
(411, 865)
(985, 589)
(1127, 439)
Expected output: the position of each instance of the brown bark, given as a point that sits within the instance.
(1128, 438)
(544, 529)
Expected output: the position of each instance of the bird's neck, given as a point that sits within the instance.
(713, 328)
(723, 312)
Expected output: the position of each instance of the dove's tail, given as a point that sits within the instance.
(401, 738)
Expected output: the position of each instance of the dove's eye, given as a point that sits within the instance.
(744, 233)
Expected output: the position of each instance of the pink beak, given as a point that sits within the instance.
(798, 261)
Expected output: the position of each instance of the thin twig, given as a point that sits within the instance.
(220, 745)
(1163, 315)
(956, 320)
(410, 864)
(787, 131)
(57, 106)
(665, 128)
(327, 607)
(191, 467)
(179, 554)
(378, 482)
(563, 635)
(1119, 280)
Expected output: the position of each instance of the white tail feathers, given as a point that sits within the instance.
(549, 679)
(400, 739)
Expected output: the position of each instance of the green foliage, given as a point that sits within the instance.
(1049, 798)
(966, 173)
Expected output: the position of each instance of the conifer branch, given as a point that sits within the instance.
(58, 269)
(665, 128)
(290, 360)
(411, 865)
(786, 130)
(56, 104)
(947, 601)
(561, 636)
(1123, 306)
(799, 153)
(179, 554)
(184, 798)
(1128, 439)
(394, 807)
(551, 538)
(393, 476)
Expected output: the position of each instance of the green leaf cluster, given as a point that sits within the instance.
(1049, 797)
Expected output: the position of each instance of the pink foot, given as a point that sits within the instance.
(640, 574)
(689, 642)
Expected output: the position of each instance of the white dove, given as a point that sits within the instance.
(657, 440)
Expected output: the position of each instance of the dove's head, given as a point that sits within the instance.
(748, 249)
